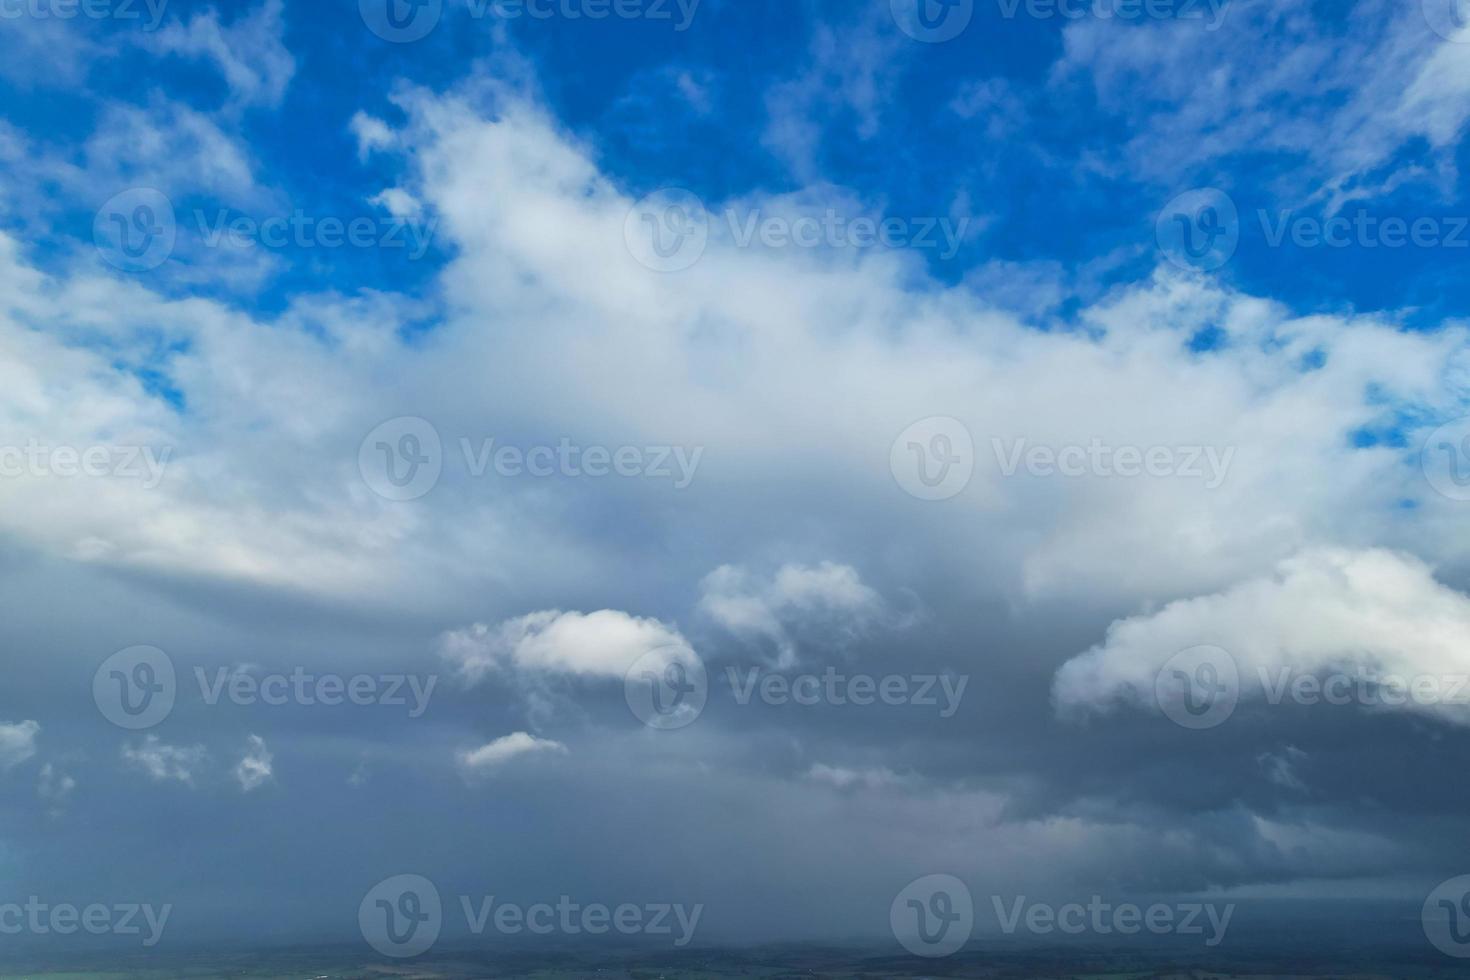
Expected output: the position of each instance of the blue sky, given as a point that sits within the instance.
(1090, 350)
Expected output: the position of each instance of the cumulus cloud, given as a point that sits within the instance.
(490, 757)
(1373, 613)
(17, 743)
(829, 595)
(600, 644)
(254, 768)
(163, 762)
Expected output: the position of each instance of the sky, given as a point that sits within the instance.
(824, 464)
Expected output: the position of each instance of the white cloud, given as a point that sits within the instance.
(254, 769)
(842, 778)
(490, 757)
(1370, 612)
(599, 644)
(163, 762)
(55, 788)
(249, 52)
(830, 594)
(17, 743)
